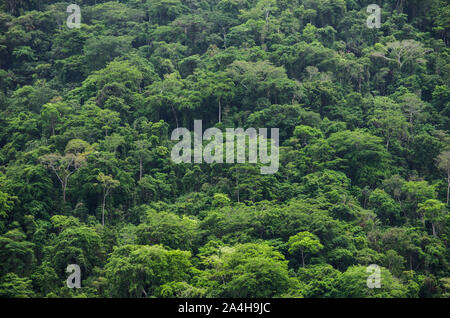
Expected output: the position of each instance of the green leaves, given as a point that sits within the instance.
(435, 212)
(262, 80)
(403, 53)
(100, 50)
(353, 284)
(387, 210)
(365, 159)
(388, 118)
(13, 286)
(16, 253)
(6, 200)
(247, 270)
(64, 166)
(304, 243)
(363, 116)
(169, 230)
(140, 270)
(80, 245)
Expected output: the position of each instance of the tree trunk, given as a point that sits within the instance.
(64, 193)
(64, 185)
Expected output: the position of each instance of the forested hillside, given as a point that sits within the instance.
(86, 176)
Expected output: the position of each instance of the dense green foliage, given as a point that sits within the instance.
(85, 170)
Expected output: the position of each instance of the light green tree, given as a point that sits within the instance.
(107, 183)
(433, 211)
(64, 166)
(304, 242)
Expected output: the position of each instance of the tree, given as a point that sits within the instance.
(80, 245)
(155, 188)
(100, 50)
(143, 153)
(394, 262)
(216, 86)
(353, 284)
(434, 211)
(260, 80)
(402, 53)
(113, 142)
(262, 9)
(444, 164)
(140, 270)
(244, 270)
(304, 242)
(412, 105)
(170, 92)
(16, 253)
(365, 160)
(13, 286)
(319, 280)
(168, 229)
(417, 192)
(110, 120)
(45, 278)
(384, 206)
(307, 134)
(388, 118)
(163, 11)
(53, 112)
(64, 166)
(6, 200)
(107, 183)
(220, 200)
